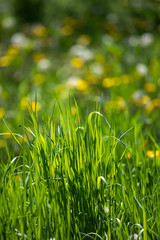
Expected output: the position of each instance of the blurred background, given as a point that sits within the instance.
(105, 52)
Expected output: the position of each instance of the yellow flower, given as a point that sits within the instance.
(156, 102)
(13, 50)
(24, 103)
(77, 62)
(151, 154)
(150, 87)
(35, 106)
(39, 30)
(2, 112)
(67, 30)
(38, 56)
(82, 85)
(39, 78)
(84, 40)
(108, 82)
(5, 61)
(121, 103)
(125, 79)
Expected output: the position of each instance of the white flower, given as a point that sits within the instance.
(20, 40)
(81, 52)
(72, 81)
(133, 41)
(141, 69)
(8, 22)
(43, 64)
(146, 39)
(96, 69)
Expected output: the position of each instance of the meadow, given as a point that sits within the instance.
(79, 120)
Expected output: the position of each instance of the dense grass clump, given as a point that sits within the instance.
(74, 180)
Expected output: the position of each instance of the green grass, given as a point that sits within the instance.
(78, 179)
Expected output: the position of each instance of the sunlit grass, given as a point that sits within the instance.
(78, 179)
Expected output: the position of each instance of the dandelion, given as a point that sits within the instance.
(156, 102)
(2, 112)
(84, 40)
(108, 82)
(5, 61)
(82, 85)
(153, 154)
(77, 62)
(67, 30)
(24, 103)
(141, 69)
(150, 87)
(43, 64)
(8, 22)
(35, 106)
(13, 50)
(38, 56)
(39, 78)
(96, 69)
(121, 103)
(146, 39)
(39, 30)
(19, 39)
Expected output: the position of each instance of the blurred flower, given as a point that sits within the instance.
(96, 69)
(151, 154)
(8, 22)
(43, 64)
(20, 40)
(141, 69)
(60, 88)
(146, 39)
(38, 56)
(2, 112)
(137, 95)
(39, 78)
(125, 79)
(77, 62)
(2, 144)
(82, 85)
(81, 52)
(121, 103)
(156, 102)
(149, 87)
(107, 82)
(5, 61)
(39, 30)
(35, 106)
(67, 30)
(84, 40)
(24, 103)
(13, 50)
(133, 41)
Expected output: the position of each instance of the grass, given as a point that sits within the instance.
(79, 179)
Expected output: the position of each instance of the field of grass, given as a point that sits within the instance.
(79, 120)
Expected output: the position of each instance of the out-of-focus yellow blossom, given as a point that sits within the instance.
(13, 50)
(149, 87)
(2, 112)
(156, 102)
(151, 154)
(108, 82)
(60, 88)
(39, 30)
(35, 106)
(39, 78)
(77, 62)
(38, 56)
(120, 103)
(125, 79)
(82, 85)
(67, 30)
(5, 61)
(128, 155)
(70, 21)
(2, 144)
(144, 100)
(84, 40)
(116, 81)
(99, 58)
(91, 79)
(24, 104)
(149, 107)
